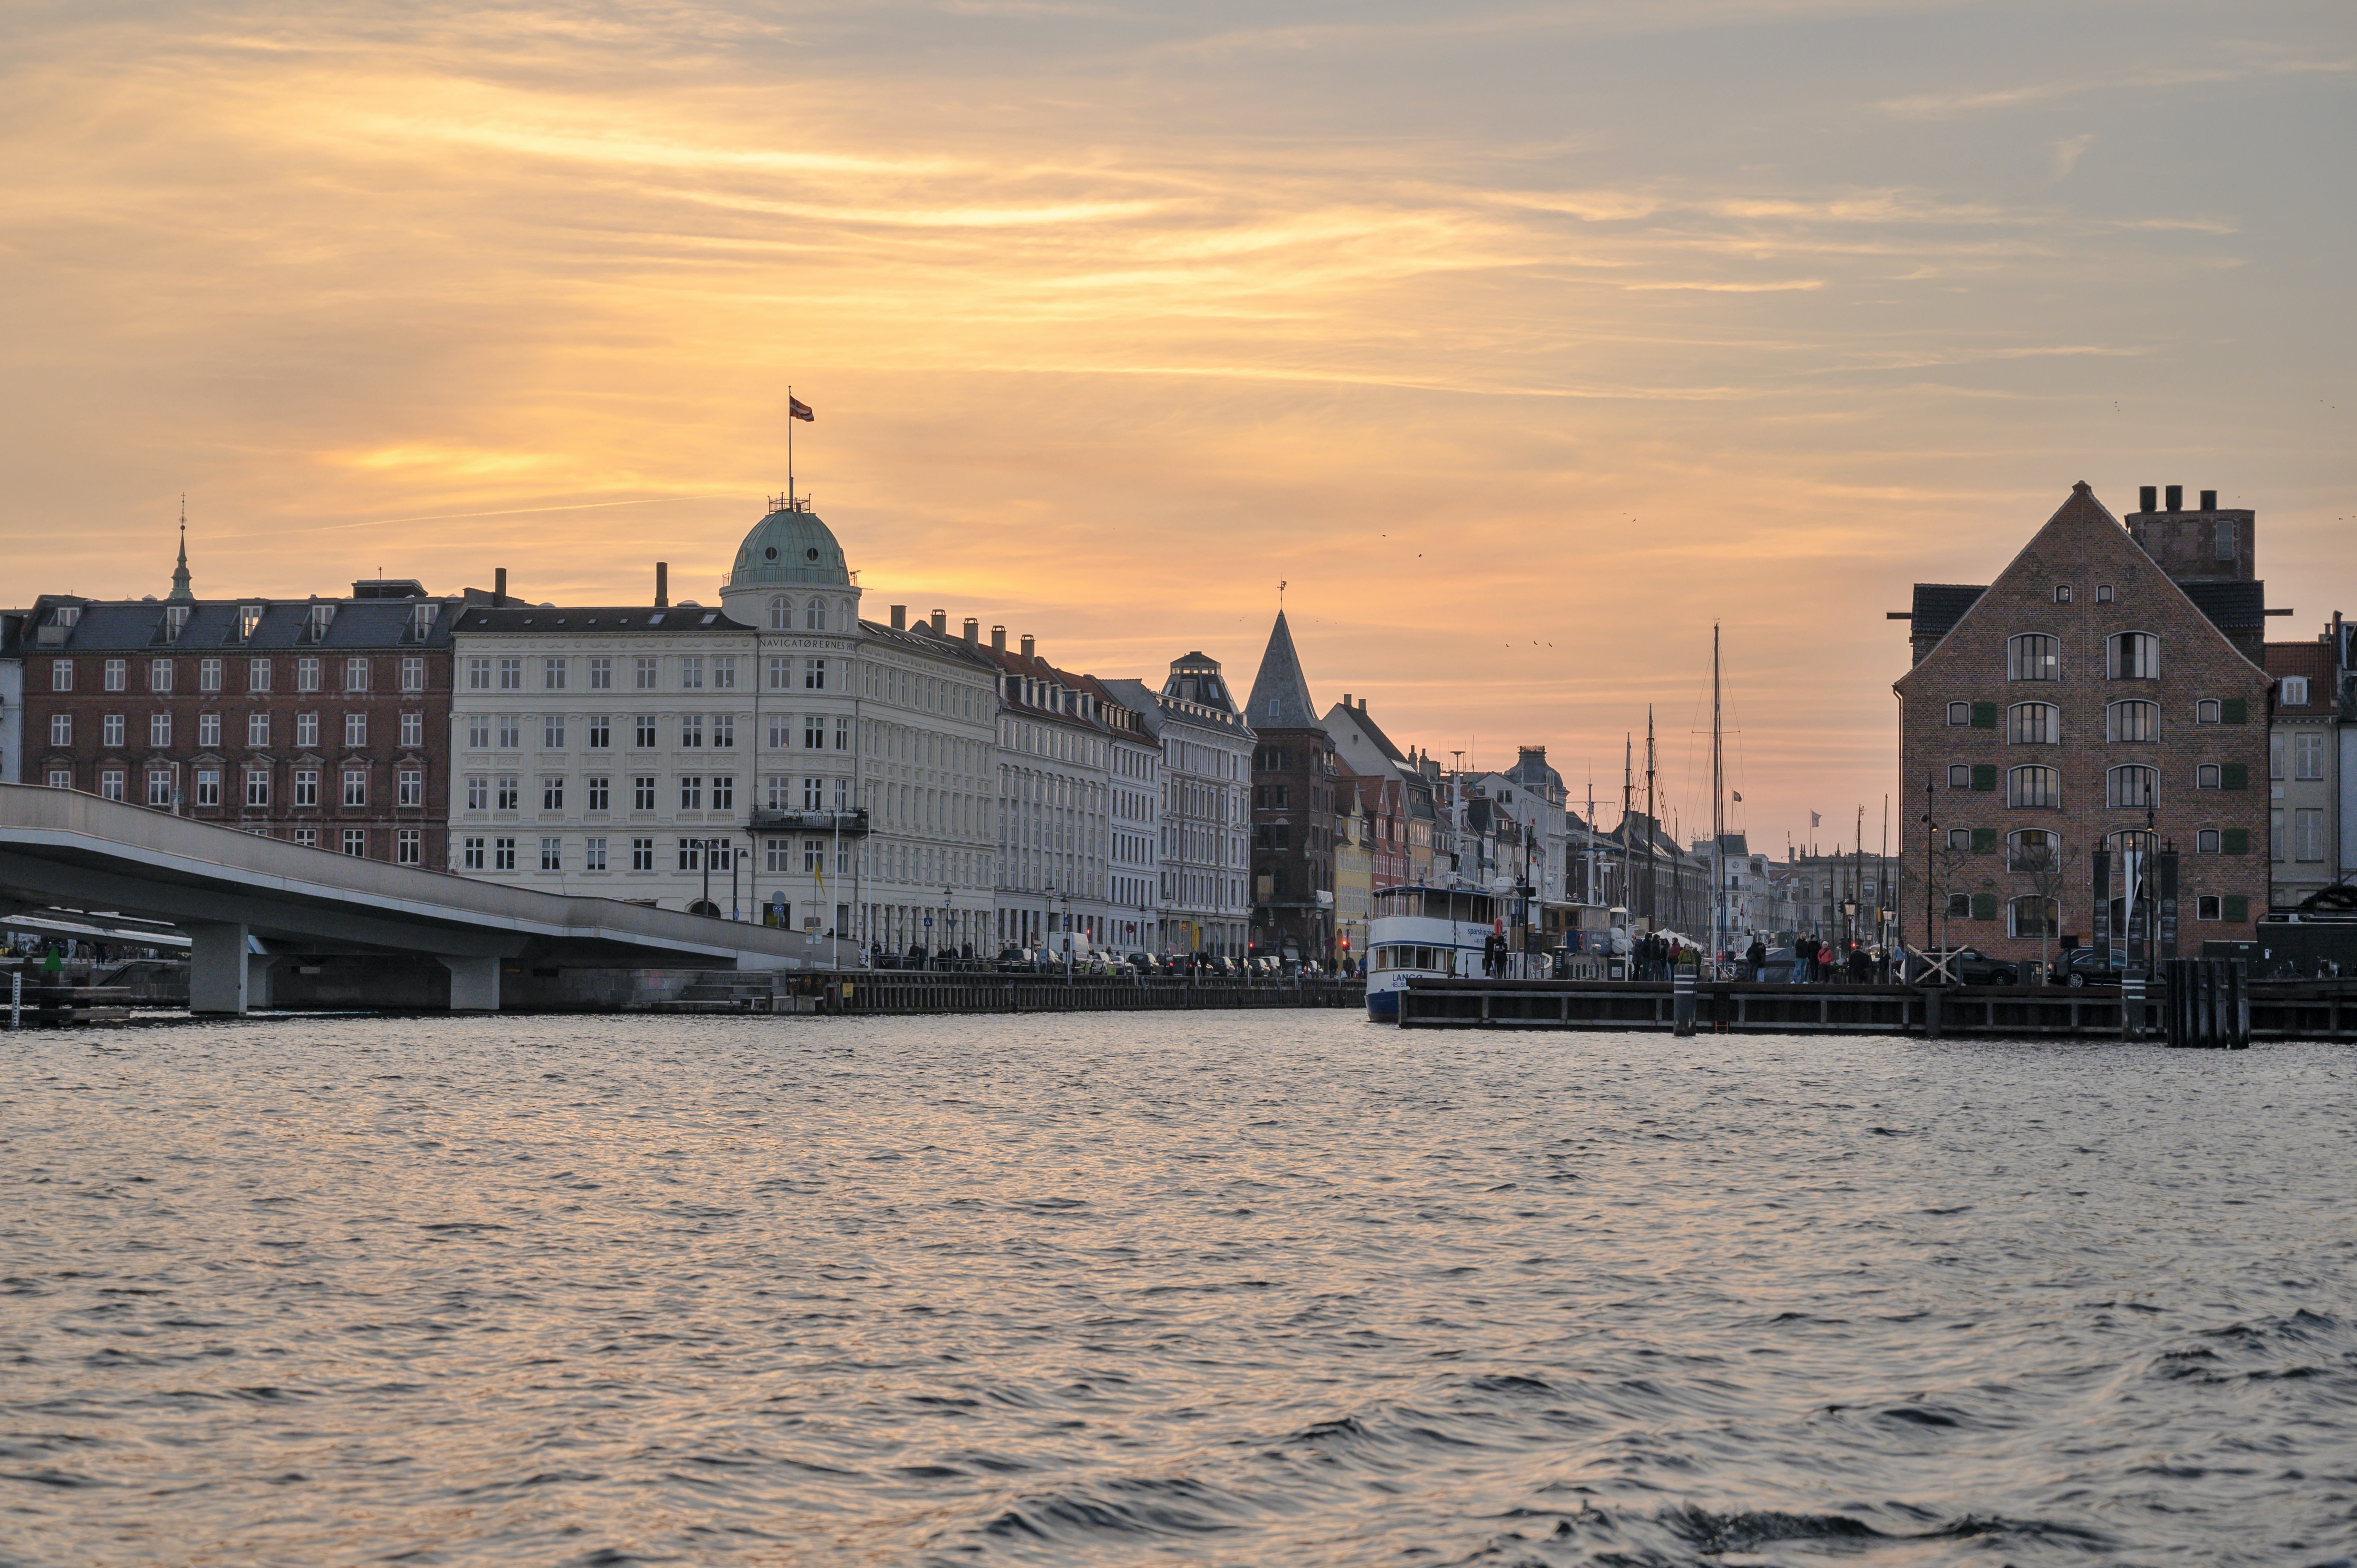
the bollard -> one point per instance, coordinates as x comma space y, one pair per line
16, 999
1682, 1000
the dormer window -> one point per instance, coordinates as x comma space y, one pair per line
421, 621
315, 623
176, 621
249, 621
68, 615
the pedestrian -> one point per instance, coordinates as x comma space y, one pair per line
1756, 958
1827, 954
1803, 948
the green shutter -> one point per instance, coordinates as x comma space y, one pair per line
1984, 775
2236, 711
1984, 715
2238, 908
2233, 776
2235, 841
1984, 840
1984, 906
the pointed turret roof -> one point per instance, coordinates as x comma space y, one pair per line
1280, 697
182, 592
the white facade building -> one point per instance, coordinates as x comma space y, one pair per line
1134, 817
12, 696
1055, 785
1206, 811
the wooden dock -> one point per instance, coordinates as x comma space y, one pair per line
919, 991
2279, 1010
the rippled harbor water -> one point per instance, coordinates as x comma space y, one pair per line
1243, 1289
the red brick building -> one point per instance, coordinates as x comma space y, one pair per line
1295, 796
326, 722
2082, 714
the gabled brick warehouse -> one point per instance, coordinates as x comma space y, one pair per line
2084, 705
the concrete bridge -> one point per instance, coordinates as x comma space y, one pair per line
248, 903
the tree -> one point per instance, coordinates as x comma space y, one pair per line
2050, 871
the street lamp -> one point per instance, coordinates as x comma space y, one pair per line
945, 917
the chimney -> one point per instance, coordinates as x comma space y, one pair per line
2209, 500
941, 623
1346, 702
998, 640
2147, 499
973, 632
663, 584
1029, 645
899, 618
2175, 497
500, 586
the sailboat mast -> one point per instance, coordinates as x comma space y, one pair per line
1717, 810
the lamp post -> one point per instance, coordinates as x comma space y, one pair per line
945, 918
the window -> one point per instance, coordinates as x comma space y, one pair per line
2307, 754
2032, 916
2033, 656
209, 730
307, 730
2206, 907
642, 673
355, 786
642, 854
307, 674
600, 792
249, 621
412, 730
601, 733
208, 786
2291, 692
257, 729
2034, 786
645, 739
2133, 785
410, 787
478, 792
60, 674
478, 730
2061, 593
814, 854
593, 854
1960, 905
510, 730
813, 794
724, 791
306, 786
473, 850
356, 674
691, 673
843, 794
208, 674
257, 786
110, 783
815, 731
552, 732
159, 788
2222, 544
2102, 593
2205, 775
724, 729
724, 673
690, 855
110, 731
691, 793
642, 792
2033, 724
777, 855
2134, 721
552, 675
159, 730
511, 675
60, 779
408, 847
551, 792
781, 616
781, 793
60, 729
478, 674
601, 673
503, 855
1960, 775
814, 616
2033, 849
356, 842
118, 674
552, 855
2132, 656
306, 838
412, 679
814, 675
355, 731
690, 730
2308, 833
508, 794
159, 674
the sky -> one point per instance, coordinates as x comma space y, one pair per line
1521, 342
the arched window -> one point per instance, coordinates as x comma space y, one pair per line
2038, 787
2132, 656
2033, 724
2033, 656
2133, 785
2032, 916
2033, 850
814, 616
2132, 721
781, 615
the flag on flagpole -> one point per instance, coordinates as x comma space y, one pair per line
1815, 820
797, 408
1738, 797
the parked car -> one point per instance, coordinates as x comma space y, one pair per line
2081, 966
1970, 966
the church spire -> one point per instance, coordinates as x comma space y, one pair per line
180, 593
1280, 696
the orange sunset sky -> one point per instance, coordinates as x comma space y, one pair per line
1523, 341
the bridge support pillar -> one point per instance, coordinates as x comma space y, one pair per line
218, 977
474, 982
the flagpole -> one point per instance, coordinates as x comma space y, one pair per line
790, 448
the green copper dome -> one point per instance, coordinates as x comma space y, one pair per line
790, 547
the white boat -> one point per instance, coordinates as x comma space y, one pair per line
1432, 931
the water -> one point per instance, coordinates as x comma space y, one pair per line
1228, 1288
